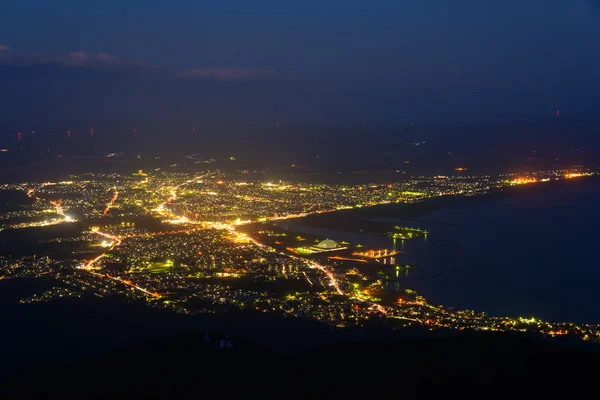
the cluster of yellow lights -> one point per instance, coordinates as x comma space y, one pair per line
376, 253
523, 181
526, 180
238, 237
528, 320
181, 220
573, 175
559, 332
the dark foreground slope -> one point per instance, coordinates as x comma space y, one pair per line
189, 367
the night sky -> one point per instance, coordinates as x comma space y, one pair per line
458, 62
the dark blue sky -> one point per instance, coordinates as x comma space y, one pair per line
459, 61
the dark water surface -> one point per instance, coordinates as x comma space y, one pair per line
535, 254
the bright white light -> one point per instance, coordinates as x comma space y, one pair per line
181, 220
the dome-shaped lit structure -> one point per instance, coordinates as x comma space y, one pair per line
328, 244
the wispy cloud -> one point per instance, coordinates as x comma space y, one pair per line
229, 74
83, 59
78, 58
107, 59
72, 59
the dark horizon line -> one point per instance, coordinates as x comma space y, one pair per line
384, 123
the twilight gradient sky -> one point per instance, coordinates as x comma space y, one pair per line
458, 61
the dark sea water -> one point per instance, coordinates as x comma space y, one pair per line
535, 254
530, 255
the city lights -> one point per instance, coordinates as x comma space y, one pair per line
200, 242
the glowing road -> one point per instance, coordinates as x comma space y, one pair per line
173, 194
58, 206
111, 202
333, 281
239, 237
115, 242
125, 282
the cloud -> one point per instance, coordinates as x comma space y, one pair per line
77, 58
107, 59
228, 74
72, 59
81, 58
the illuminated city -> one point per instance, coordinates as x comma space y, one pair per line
305, 199
203, 242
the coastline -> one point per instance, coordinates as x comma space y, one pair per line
365, 219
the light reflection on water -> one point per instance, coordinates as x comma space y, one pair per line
529, 255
